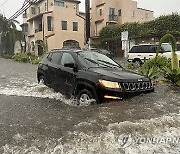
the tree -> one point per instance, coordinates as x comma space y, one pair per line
9, 34
156, 28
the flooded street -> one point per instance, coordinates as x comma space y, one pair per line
35, 119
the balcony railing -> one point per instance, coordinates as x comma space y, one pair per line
113, 18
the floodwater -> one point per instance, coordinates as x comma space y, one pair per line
147, 124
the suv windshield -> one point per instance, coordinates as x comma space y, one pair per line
94, 59
166, 47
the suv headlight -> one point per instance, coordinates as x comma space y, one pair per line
109, 84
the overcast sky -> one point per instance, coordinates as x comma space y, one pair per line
159, 7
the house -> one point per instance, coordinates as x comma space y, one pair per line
105, 12
53, 24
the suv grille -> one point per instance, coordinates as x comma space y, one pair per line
136, 86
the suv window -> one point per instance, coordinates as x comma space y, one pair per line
145, 49
133, 49
178, 47
67, 58
153, 49
49, 55
166, 47
140, 49
55, 58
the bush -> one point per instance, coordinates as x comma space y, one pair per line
132, 66
153, 67
37, 60
172, 75
21, 57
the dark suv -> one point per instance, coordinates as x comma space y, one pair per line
89, 75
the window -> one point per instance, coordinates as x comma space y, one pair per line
33, 10
39, 10
67, 58
64, 25
46, 6
75, 26
25, 28
100, 12
119, 12
49, 23
111, 11
112, 16
133, 13
58, 3
153, 49
146, 16
40, 25
56, 58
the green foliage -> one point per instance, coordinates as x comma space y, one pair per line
171, 74
152, 67
174, 59
37, 60
156, 28
9, 35
132, 66
22, 57
25, 58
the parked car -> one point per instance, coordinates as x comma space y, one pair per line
103, 51
89, 75
139, 53
71, 48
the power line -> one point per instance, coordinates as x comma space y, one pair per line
25, 6
20, 10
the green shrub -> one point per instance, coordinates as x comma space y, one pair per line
21, 57
37, 60
153, 67
171, 74
132, 66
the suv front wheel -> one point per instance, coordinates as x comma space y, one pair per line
86, 97
138, 62
42, 80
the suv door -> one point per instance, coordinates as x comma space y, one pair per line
66, 75
53, 66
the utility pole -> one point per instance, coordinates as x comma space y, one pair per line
87, 6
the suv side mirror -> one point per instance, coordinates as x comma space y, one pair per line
71, 65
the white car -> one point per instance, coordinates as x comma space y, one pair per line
139, 53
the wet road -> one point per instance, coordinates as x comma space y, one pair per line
35, 119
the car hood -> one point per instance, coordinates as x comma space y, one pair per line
117, 73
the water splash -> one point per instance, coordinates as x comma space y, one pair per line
109, 141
